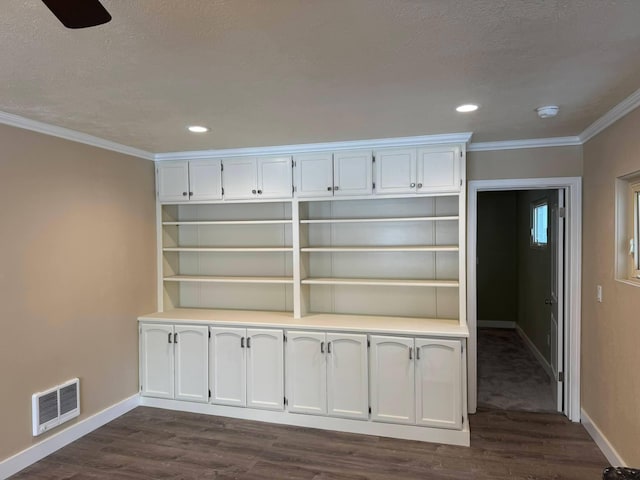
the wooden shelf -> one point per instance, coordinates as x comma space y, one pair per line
212, 279
392, 248
382, 219
230, 222
388, 282
228, 249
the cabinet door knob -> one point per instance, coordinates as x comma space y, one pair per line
259, 192
336, 188
419, 185
169, 339
410, 353
253, 191
412, 185
175, 337
184, 194
242, 342
190, 193
329, 188
321, 347
248, 342
329, 347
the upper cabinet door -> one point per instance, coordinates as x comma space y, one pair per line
439, 383
205, 178
347, 376
173, 181
265, 369
314, 175
392, 379
438, 170
191, 345
157, 357
396, 171
306, 372
353, 173
227, 366
275, 177
240, 178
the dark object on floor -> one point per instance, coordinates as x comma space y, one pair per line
620, 473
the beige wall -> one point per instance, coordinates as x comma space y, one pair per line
497, 257
610, 330
525, 163
78, 266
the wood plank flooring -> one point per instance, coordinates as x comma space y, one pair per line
149, 443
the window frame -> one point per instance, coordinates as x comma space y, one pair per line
532, 224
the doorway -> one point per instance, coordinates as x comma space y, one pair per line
519, 293
558, 342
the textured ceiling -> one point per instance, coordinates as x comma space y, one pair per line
274, 72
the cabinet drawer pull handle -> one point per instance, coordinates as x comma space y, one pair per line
169, 338
175, 337
419, 185
329, 347
248, 342
321, 347
184, 194
412, 185
417, 353
410, 353
242, 342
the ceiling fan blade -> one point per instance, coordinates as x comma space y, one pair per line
78, 13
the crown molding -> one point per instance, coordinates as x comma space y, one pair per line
616, 113
527, 143
73, 135
318, 147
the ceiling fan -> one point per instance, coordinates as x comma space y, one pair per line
78, 13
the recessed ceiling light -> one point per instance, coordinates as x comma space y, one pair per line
466, 108
198, 129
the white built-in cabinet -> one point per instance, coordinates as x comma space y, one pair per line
416, 381
327, 374
338, 174
247, 367
257, 178
423, 170
174, 361
193, 180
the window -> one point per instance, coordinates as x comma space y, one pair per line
539, 223
628, 228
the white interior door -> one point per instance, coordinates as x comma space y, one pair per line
347, 376
314, 175
275, 177
306, 372
396, 171
392, 377
205, 179
191, 344
173, 181
556, 245
352, 173
227, 366
439, 383
240, 178
265, 369
156, 351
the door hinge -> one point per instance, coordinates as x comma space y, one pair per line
374, 185
284, 337
373, 158
562, 212
209, 333
460, 182
286, 402
223, 190
463, 419
368, 343
293, 189
222, 167
460, 153
293, 163
209, 393
140, 387
561, 376
369, 409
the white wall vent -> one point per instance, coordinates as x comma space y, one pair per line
55, 406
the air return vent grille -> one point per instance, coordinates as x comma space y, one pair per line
55, 406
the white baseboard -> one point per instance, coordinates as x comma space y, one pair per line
603, 443
31, 455
407, 432
495, 324
543, 361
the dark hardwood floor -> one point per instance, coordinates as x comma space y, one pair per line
159, 444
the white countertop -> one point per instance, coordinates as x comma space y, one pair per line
313, 321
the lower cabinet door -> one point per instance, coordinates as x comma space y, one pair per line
347, 376
392, 370
227, 366
306, 372
191, 344
156, 360
439, 383
265, 369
